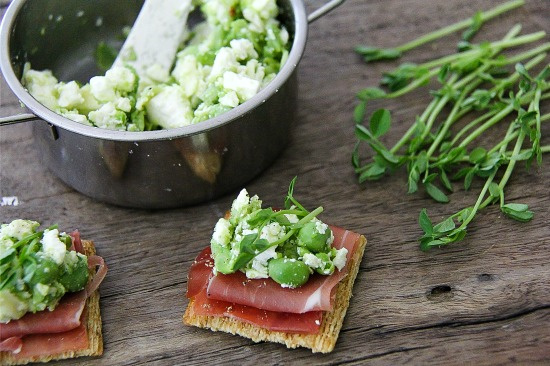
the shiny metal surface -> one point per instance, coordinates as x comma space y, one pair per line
154, 169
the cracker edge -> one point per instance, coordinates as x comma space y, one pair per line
93, 329
323, 342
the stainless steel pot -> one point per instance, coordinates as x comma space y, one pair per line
154, 169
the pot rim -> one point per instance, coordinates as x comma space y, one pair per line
295, 55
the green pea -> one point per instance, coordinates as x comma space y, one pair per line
311, 239
327, 267
75, 278
288, 272
46, 272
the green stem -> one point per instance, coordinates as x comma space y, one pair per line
478, 202
495, 119
411, 129
508, 138
522, 56
412, 86
476, 52
460, 25
471, 125
450, 119
302, 221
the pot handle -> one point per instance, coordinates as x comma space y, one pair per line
18, 118
323, 10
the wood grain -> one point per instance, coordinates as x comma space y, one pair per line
485, 300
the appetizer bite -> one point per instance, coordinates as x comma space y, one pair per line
275, 275
49, 303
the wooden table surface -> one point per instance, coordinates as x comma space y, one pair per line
485, 300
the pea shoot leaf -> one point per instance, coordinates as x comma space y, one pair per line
380, 122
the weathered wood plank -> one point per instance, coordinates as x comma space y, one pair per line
485, 300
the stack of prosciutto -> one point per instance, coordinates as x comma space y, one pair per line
263, 302
62, 331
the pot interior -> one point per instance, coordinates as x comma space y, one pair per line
63, 36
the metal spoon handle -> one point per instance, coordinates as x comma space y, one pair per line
323, 10
18, 118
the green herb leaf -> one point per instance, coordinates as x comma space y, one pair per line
445, 180
517, 211
371, 93
436, 193
359, 112
477, 155
445, 226
374, 172
425, 222
477, 22
380, 122
494, 190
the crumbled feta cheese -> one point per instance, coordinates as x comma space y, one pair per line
243, 49
320, 226
121, 78
240, 203
340, 259
41, 85
272, 232
69, 95
108, 117
18, 229
244, 86
312, 261
230, 99
170, 108
292, 218
52, 246
77, 117
222, 232
258, 268
225, 60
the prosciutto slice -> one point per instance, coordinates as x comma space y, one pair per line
64, 317
200, 274
271, 320
35, 345
316, 295
12, 344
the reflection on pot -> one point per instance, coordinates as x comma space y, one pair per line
115, 156
202, 158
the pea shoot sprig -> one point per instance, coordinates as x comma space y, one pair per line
472, 26
253, 244
481, 88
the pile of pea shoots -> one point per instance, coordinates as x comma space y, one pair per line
480, 88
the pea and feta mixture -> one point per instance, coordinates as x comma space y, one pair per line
226, 60
36, 268
286, 245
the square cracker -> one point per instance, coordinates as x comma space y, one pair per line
93, 328
324, 341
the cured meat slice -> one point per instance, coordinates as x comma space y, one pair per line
100, 273
35, 345
200, 272
12, 344
316, 294
65, 316
309, 322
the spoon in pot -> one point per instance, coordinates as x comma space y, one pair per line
155, 36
